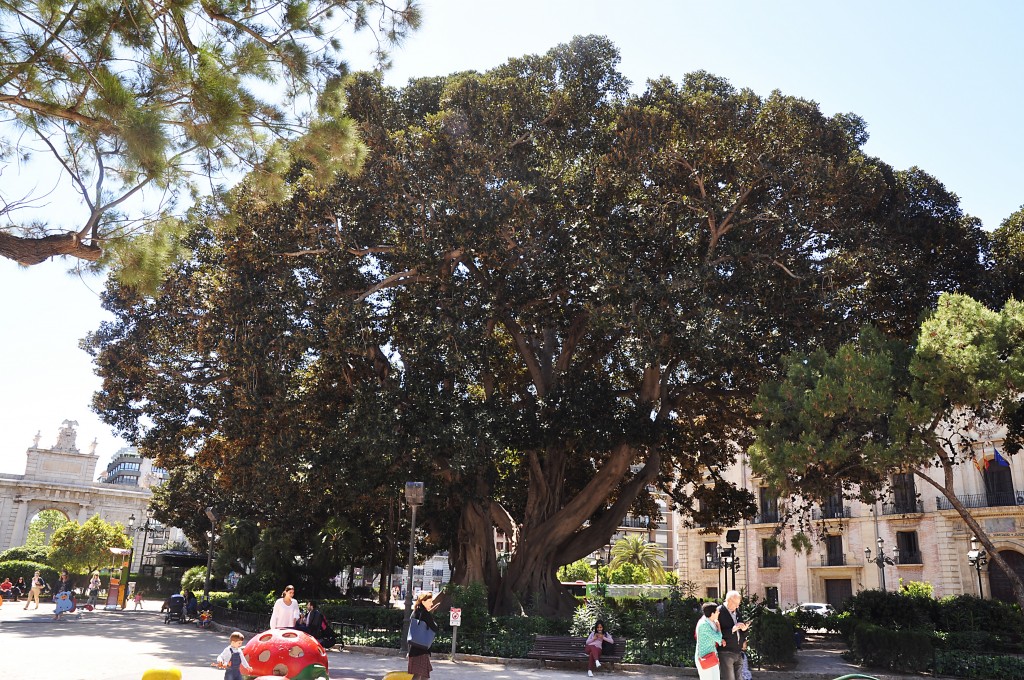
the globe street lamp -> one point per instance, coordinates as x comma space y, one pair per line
414, 495
881, 559
978, 558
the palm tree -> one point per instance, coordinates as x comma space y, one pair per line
635, 550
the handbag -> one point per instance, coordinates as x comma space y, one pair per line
607, 648
420, 635
709, 660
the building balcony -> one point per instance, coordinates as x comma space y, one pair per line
630, 522
983, 500
767, 517
768, 562
903, 508
831, 512
910, 558
836, 560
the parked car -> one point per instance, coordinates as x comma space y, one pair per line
823, 608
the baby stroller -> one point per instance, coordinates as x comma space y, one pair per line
175, 605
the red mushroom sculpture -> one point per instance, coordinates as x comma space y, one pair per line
283, 652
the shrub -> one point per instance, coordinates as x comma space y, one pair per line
259, 582
960, 613
898, 650
586, 617
771, 636
981, 667
893, 610
472, 600
25, 553
194, 579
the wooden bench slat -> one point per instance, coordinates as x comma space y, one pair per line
569, 648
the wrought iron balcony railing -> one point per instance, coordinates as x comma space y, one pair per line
983, 500
831, 512
903, 508
768, 562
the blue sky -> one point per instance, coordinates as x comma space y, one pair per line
939, 84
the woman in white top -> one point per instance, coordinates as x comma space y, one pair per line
286, 610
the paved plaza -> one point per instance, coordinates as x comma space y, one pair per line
104, 645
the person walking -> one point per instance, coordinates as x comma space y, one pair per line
419, 658
36, 588
595, 645
734, 635
709, 636
286, 610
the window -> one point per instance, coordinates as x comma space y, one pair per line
769, 553
712, 593
834, 505
834, 551
904, 493
711, 549
771, 597
768, 506
998, 484
439, 572
910, 551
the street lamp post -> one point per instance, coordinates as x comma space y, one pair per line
146, 527
881, 559
209, 551
414, 495
503, 558
597, 563
978, 558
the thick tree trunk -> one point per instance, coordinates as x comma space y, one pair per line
29, 251
554, 532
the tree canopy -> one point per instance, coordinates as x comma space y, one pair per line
541, 296
81, 548
878, 406
634, 550
127, 96
43, 527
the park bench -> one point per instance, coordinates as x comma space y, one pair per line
569, 648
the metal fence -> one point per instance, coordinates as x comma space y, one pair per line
247, 621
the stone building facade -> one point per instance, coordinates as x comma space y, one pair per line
61, 478
930, 538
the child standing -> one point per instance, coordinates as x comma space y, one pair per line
138, 599
232, 658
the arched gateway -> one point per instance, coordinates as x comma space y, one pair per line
62, 478
1000, 583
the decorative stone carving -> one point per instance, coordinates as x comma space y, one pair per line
66, 436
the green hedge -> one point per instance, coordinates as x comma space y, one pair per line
898, 650
12, 569
771, 635
979, 666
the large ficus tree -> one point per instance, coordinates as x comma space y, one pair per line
127, 95
542, 296
878, 406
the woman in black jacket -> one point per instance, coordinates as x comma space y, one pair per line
419, 658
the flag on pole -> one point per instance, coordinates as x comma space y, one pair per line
977, 463
999, 458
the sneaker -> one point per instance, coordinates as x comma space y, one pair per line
590, 674
597, 662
